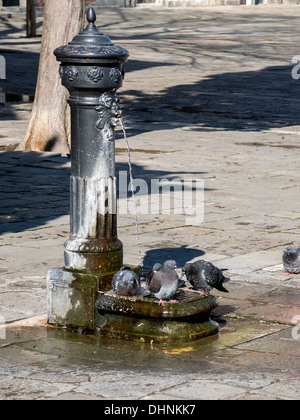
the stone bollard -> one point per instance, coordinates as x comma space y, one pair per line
92, 69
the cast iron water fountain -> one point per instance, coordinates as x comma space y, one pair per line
79, 293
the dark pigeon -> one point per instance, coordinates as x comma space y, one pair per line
126, 282
181, 282
291, 260
144, 290
163, 281
205, 276
155, 268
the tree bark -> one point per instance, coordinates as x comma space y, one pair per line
49, 127
30, 19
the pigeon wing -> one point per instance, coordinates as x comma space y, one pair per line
213, 275
155, 283
216, 278
156, 267
115, 281
196, 277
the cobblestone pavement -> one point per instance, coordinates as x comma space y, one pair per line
208, 95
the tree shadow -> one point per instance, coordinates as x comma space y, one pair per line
251, 100
35, 188
9, 26
51, 144
139, 171
21, 71
137, 65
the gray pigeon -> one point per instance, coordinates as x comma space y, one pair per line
291, 260
156, 267
126, 282
163, 281
205, 276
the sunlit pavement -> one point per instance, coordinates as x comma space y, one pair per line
208, 95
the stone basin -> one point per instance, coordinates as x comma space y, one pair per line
143, 319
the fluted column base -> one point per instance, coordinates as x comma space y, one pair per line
93, 246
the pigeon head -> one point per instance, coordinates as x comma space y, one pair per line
291, 249
186, 268
170, 265
156, 267
290, 254
190, 269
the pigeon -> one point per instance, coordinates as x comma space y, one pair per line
204, 276
181, 282
126, 282
162, 281
155, 268
291, 260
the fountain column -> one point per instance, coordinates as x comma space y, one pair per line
79, 294
92, 69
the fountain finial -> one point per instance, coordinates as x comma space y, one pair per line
91, 15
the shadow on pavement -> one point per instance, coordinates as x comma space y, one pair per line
34, 188
181, 255
251, 100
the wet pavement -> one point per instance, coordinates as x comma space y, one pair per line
248, 360
208, 95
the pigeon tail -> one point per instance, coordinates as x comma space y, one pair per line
221, 288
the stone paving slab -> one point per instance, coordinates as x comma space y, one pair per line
203, 99
83, 367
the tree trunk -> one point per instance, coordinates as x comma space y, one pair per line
30, 19
49, 128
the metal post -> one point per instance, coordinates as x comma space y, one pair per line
92, 70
